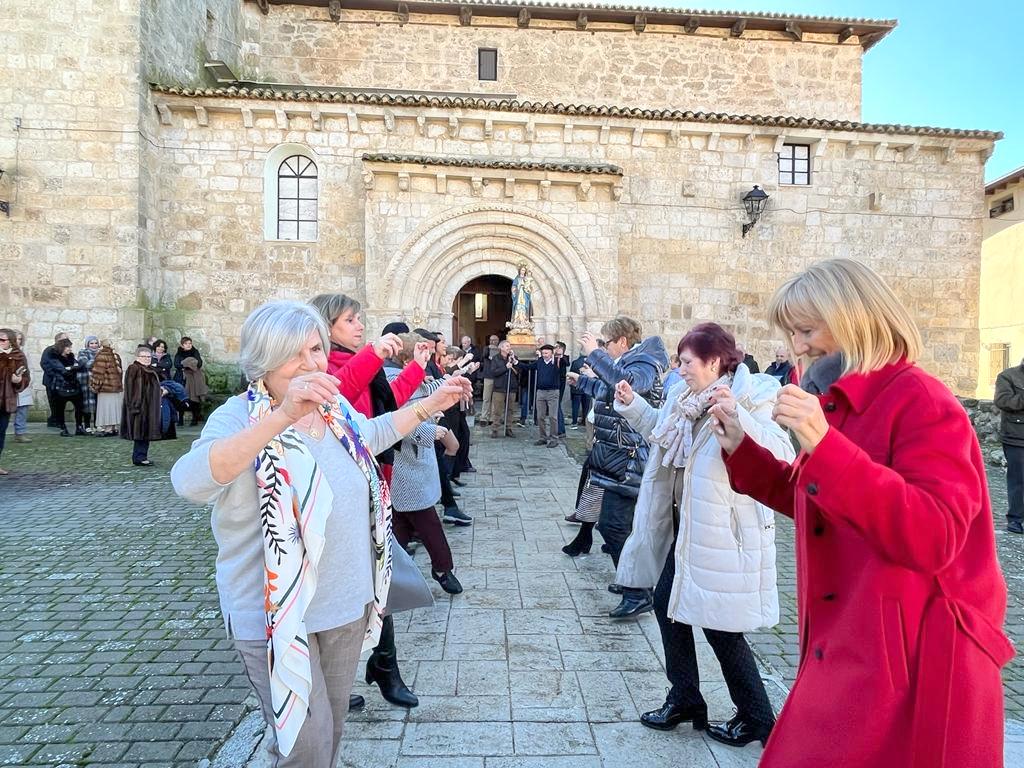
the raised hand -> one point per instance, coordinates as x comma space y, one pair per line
421, 354
387, 346
307, 393
725, 419
588, 342
801, 412
624, 393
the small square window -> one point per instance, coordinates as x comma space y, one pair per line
487, 63
998, 360
1003, 206
795, 164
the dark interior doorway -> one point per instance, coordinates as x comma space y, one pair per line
482, 308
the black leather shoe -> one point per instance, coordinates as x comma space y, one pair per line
671, 715
65, 433
633, 604
80, 432
355, 702
1015, 526
471, 470
448, 582
615, 589
739, 732
383, 671
456, 481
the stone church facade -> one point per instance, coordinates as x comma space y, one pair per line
354, 146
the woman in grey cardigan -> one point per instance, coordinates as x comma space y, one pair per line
416, 485
302, 520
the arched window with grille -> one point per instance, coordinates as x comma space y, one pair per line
291, 194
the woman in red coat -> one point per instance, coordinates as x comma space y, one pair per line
363, 383
900, 597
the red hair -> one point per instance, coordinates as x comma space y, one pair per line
710, 340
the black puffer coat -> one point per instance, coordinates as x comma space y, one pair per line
620, 453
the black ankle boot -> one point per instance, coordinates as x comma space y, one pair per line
355, 702
670, 715
581, 544
383, 671
739, 732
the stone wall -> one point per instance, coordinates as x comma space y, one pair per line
665, 246
761, 73
985, 417
69, 143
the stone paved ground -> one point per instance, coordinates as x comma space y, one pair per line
112, 649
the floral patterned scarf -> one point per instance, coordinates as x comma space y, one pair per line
295, 502
675, 433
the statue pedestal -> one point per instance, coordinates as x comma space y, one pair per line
523, 342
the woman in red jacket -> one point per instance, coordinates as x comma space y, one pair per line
900, 597
363, 383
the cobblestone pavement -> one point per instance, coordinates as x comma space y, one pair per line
112, 649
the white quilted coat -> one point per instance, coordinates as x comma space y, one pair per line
725, 551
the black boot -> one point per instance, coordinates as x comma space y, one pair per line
355, 702
382, 669
739, 732
582, 543
670, 715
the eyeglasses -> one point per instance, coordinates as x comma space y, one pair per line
4, 338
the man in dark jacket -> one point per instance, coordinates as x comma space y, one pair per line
489, 353
748, 360
1009, 398
580, 401
619, 454
503, 370
781, 368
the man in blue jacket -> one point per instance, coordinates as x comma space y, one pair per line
619, 454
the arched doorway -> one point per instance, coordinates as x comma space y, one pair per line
481, 308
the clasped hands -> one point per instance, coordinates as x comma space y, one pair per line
795, 410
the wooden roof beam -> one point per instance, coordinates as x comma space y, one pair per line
845, 35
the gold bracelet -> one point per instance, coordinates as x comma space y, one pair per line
421, 412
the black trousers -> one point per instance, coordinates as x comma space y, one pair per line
616, 522
731, 649
61, 404
5, 419
444, 470
1014, 481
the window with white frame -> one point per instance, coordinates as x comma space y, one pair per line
291, 194
795, 164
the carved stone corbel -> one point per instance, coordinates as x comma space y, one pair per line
282, 118
477, 184
488, 128
317, 118
201, 117
605, 133
465, 15
334, 8
638, 136
585, 190
247, 117
353, 122
421, 125
545, 190
441, 183
368, 178
389, 121
453, 127
165, 114
403, 181
510, 187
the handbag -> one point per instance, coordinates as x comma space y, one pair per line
618, 467
409, 589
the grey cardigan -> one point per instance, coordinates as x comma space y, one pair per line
235, 516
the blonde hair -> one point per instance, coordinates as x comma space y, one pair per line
868, 322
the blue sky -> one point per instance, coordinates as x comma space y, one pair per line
949, 63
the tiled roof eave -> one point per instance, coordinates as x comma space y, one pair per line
567, 166
583, 110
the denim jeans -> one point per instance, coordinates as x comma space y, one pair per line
1014, 481
21, 419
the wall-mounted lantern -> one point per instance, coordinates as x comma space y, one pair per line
754, 201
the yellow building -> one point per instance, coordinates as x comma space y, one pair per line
1001, 310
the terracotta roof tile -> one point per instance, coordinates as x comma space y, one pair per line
583, 110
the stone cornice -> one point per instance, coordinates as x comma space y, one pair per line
512, 106
640, 17
496, 163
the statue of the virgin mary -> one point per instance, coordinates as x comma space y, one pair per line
522, 300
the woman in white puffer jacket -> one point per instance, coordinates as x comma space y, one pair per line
720, 573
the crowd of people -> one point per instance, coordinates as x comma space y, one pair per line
142, 402
333, 462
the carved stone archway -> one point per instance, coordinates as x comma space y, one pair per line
444, 253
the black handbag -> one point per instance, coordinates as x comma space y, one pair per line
619, 466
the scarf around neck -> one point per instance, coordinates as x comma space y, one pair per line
675, 433
294, 504
823, 373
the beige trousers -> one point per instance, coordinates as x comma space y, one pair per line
334, 657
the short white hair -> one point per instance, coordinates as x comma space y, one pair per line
274, 333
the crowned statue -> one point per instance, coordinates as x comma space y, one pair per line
521, 325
